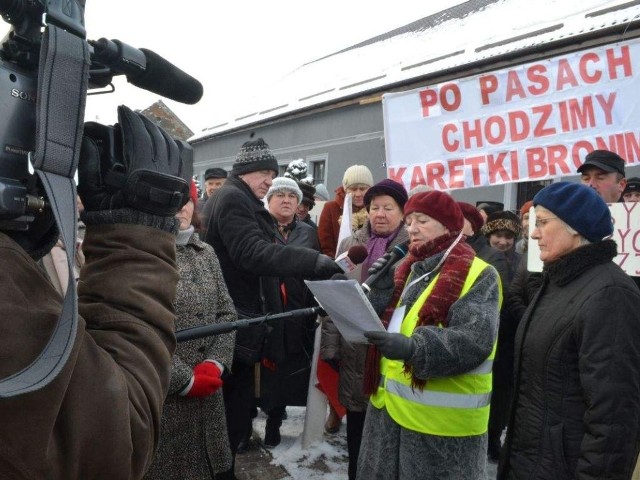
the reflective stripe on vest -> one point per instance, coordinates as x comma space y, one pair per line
455, 406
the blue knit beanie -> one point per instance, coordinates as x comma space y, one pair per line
578, 206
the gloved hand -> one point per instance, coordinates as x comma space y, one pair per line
394, 346
379, 264
209, 368
134, 164
325, 267
202, 385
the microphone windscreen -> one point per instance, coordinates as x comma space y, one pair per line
402, 249
164, 78
357, 254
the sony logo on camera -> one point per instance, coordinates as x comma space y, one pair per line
30, 97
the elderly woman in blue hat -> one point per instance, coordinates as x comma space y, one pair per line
576, 405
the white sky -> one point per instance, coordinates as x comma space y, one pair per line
236, 48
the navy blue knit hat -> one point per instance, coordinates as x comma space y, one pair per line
387, 187
253, 157
578, 206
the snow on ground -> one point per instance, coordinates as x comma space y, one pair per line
321, 461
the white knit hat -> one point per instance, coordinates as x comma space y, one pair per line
284, 184
356, 174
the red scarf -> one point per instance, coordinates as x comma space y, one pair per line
435, 310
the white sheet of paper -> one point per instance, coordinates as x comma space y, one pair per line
348, 306
396, 319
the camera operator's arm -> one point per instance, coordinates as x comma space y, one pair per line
100, 417
127, 287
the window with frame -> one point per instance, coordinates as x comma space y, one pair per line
318, 169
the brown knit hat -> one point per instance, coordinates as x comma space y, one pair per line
439, 206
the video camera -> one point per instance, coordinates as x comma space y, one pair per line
22, 201
46, 68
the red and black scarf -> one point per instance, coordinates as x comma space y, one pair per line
435, 310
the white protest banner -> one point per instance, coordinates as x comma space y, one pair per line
626, 233
529, 122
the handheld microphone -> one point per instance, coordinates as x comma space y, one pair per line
398, 252
148, 70
349, 260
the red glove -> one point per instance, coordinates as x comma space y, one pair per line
209, 368
206, 380
203, 386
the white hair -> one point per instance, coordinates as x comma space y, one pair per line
569, 228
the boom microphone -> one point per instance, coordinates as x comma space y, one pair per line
397, 252
202, 331
148, 70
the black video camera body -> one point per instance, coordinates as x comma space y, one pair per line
20, 197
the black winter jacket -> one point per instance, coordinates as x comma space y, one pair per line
576, 406
242, 232
291, 340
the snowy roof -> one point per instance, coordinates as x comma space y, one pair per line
470, 32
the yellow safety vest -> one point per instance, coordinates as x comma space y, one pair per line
448, 406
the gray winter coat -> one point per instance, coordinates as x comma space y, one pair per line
352, 357
193, 439
389, 451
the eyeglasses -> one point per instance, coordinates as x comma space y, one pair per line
541, 222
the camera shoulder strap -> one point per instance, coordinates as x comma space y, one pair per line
62, 90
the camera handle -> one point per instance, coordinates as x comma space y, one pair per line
62, 89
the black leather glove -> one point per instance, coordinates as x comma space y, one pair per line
133, 165
379, 264
325, 267
394, 346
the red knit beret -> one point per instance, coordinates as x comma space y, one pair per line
439, 206
472, 214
